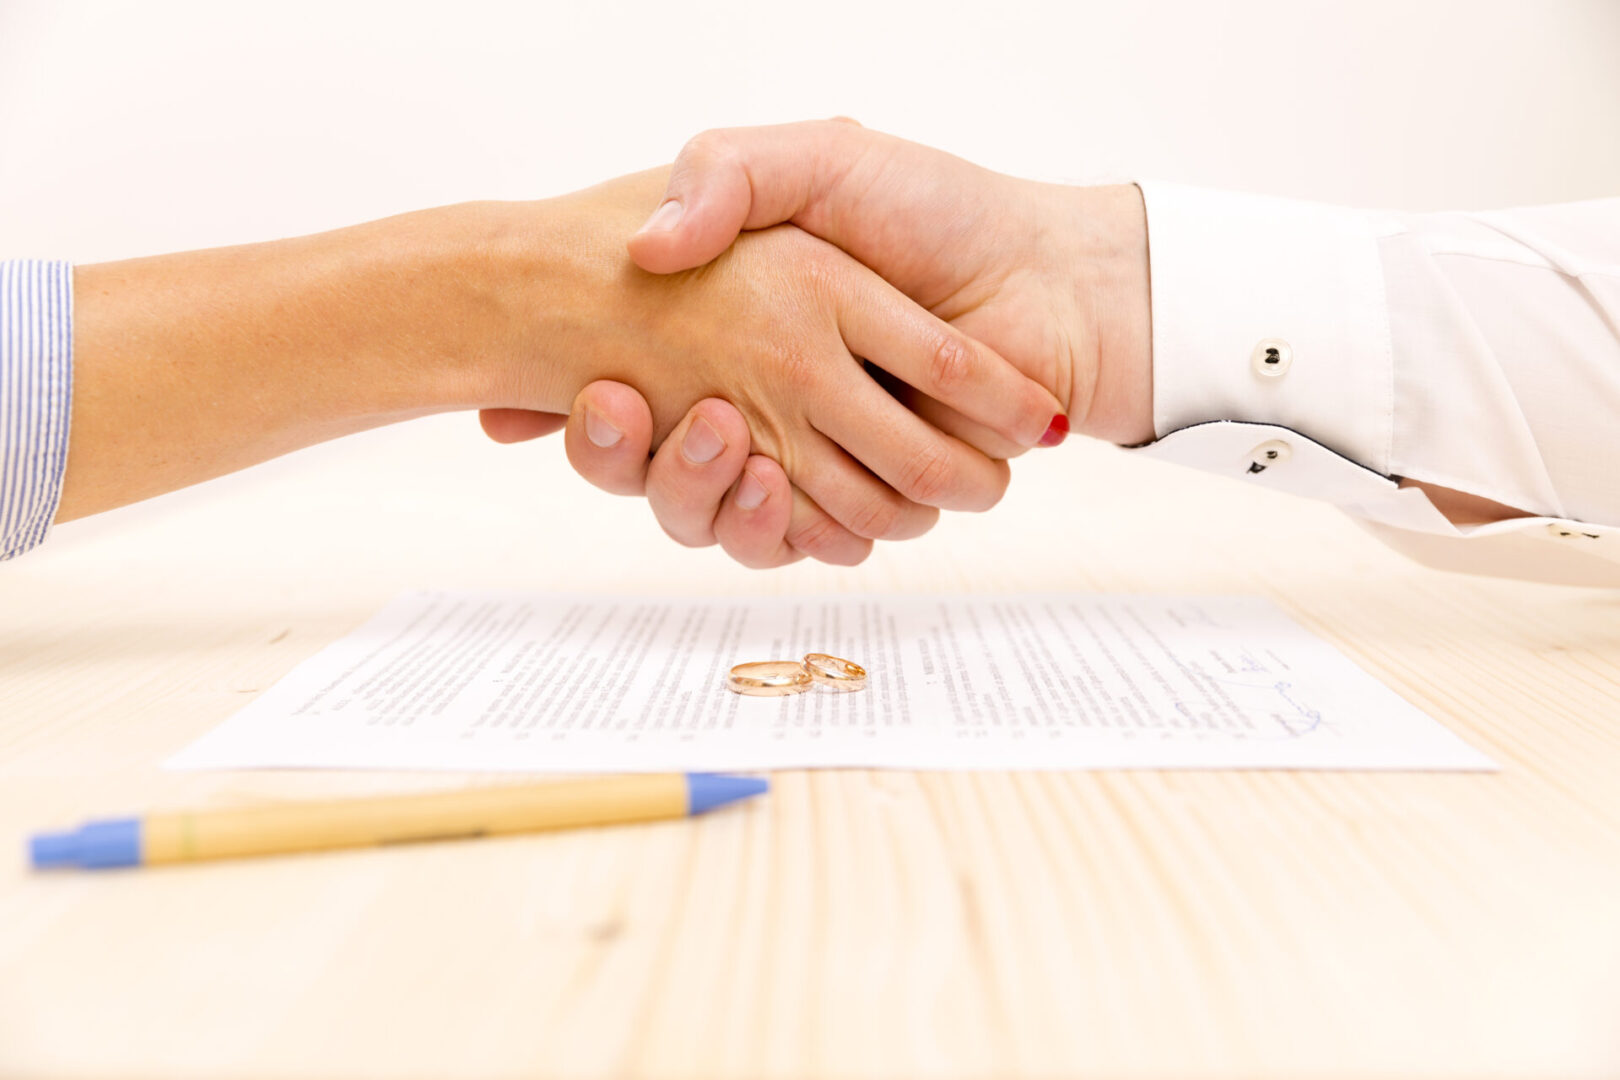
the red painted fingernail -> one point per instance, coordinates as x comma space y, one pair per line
1056, 431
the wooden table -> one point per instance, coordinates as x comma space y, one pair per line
856, 924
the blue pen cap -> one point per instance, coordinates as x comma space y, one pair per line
94, 846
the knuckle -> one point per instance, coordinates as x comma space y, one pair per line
950, 364
796, 366
876, 518
819, 537
929, 476
820, 273
710, 147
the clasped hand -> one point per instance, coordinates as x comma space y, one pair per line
998, 302
821, 336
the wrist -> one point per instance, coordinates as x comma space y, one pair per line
1104, 259
457, 284
562, 304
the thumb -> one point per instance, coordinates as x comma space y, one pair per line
725, 181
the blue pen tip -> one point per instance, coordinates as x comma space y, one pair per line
47, 851
705, 791
96, 846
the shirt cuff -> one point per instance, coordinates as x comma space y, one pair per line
1270, 311
36, 392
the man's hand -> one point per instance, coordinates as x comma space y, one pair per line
1053, 278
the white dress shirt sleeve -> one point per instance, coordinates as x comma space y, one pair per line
1331, 352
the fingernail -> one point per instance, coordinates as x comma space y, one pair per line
702, 443
600, 432
1056, 431
664, 219
750, 492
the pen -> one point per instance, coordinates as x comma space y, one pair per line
398, 819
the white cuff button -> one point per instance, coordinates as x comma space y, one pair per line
1268, 454
1271, 358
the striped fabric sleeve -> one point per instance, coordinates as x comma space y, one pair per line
36, 390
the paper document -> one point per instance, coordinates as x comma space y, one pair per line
548, 682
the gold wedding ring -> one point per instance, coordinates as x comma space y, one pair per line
769, 678
834, 671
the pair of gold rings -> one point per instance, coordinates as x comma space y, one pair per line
780, 678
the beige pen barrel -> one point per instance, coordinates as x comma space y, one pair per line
228, 834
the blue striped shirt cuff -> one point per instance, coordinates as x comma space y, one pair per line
36, 394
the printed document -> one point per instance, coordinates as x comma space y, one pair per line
558, 683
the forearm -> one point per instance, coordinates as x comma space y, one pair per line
192, 365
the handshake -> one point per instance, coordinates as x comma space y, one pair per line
873, 327
819, 337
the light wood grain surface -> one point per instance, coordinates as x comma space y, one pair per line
854, 924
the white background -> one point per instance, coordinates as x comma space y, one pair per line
135, 128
